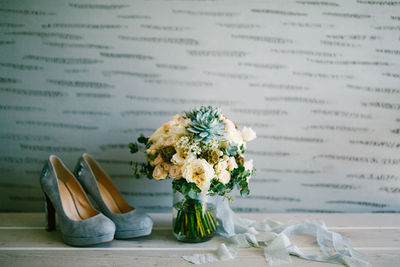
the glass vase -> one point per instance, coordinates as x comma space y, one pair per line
193, 219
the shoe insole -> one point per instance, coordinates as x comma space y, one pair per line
75, 203
108, 199
110, 194
68, 203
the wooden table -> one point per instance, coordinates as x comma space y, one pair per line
24, 242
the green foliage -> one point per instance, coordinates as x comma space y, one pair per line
239, 180
242, 149
134, 147
187, 189
205, 124
142, 169
139, 168
144, 140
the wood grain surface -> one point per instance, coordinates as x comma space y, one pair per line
24, 242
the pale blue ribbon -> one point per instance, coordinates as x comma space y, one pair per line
274, 237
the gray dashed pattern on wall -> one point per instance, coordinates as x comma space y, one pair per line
318, 80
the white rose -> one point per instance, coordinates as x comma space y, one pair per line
224, 177
200, 172
234, 137
248, 134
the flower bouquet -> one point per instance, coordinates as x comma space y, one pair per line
203, 153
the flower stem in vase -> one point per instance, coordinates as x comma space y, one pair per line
194, 221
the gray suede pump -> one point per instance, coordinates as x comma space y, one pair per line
129, 221
80, 223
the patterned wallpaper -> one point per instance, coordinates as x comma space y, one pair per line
318, 80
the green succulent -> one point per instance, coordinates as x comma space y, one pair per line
205, 124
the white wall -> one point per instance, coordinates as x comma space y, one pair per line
318, 81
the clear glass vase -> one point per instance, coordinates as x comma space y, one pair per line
193, 219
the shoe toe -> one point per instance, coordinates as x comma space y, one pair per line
133, 224
106, 226
95, 230
146, 222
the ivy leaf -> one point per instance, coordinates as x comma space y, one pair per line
134, 147
245, 192
142, 139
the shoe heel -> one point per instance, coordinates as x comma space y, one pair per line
50, 215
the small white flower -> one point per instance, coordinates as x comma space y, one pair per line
212, 145
195, 149
183, 142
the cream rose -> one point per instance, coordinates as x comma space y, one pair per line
175, 172
158, 160
232, 164
166, 166
248, 134
224, 177
160, 132
221, 166
200, 172
152, 149
174, 120
171, 141
178, 131
229, 125
159, 173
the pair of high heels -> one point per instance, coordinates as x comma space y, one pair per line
81, 224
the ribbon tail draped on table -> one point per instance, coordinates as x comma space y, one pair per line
274, 238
